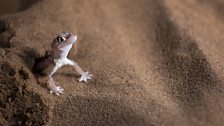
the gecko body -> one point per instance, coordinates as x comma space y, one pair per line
50, 63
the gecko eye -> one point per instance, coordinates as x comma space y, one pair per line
60, 39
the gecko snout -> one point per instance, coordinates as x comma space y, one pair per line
73, 38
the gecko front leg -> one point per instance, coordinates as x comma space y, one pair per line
57, 90
84, 75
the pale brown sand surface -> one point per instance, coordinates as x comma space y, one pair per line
155, 62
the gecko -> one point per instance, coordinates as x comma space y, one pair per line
57, 58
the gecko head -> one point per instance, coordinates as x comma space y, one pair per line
64, 39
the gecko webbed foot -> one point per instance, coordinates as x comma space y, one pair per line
85, 76
57, 90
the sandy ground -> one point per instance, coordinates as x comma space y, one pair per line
154, 63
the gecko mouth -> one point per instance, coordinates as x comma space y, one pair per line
71, 37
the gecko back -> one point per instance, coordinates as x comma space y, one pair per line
42, 63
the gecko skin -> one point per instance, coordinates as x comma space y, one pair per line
49, 64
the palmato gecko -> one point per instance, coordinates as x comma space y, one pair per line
49, 64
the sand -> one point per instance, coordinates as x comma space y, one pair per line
154, 63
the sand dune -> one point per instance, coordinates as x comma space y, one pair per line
154, 63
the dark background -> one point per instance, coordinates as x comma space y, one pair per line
12, 6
